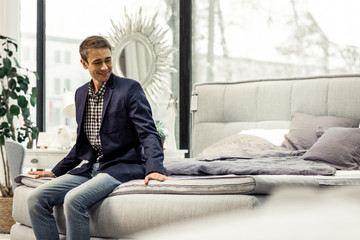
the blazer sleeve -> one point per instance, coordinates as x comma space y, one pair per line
81, 146
141, 115
67, 163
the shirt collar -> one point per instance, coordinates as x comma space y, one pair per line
99, 93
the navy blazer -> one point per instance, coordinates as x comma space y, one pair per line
130, 143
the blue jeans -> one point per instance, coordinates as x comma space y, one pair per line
76, 193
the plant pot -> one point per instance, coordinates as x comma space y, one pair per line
6, 219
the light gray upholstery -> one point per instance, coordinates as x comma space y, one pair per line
223, 109
121, 215
15, 153
219, 110
23, 232
296, 214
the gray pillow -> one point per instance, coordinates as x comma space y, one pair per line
236, 146
338, 147
303, 127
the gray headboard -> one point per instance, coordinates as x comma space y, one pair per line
222, 109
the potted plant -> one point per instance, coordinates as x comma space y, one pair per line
15, 101
162, 131
16, 98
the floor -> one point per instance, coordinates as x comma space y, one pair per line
4, 236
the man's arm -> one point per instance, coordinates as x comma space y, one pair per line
141, 116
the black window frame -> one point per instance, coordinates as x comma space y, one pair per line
185, 81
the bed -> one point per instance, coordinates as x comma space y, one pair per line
234, 164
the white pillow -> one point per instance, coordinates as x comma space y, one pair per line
275, 136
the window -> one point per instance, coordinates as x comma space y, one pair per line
57, 86
67, 57
57, 116
57, 56
68, 84
232, 40
235, 40
64, 35
26, 54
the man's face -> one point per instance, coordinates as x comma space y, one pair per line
99, 64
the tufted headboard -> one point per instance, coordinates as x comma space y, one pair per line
222, 109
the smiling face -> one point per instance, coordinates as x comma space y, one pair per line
99, 64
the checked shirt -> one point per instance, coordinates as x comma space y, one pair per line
93, 111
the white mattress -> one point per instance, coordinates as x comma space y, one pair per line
267, 183
224, 184
120, 215
192, 196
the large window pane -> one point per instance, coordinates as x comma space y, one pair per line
27, 42
245, 39
69, 22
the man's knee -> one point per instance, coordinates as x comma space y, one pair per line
34, 200
72, 201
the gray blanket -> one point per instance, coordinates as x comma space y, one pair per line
258, 166
248, 155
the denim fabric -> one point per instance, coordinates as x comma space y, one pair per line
76, 193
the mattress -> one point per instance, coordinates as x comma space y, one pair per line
235, 184
221, 184
180, 199
122, 214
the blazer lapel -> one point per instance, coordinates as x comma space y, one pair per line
107, 96
80, 104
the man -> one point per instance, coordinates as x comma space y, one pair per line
117, 137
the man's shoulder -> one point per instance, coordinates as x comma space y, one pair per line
122, 81
83, 87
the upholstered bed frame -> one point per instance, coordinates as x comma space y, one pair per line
223, 109
219, 110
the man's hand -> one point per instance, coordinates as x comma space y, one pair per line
156, 176
39, 174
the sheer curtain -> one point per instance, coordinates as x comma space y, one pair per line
136, 61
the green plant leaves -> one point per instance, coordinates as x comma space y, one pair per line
34, 92
14, 110
10, 117
3, 72
4, 125
25, 112
24, 86
17, 63
160, 128
33, 96
22, 102
35, 132
5, 130
7, 63
2, 112
14, 96
32, 100
12, 84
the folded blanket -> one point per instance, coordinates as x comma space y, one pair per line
291, 165
30, 180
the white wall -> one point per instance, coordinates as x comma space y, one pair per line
9, 26
10, 18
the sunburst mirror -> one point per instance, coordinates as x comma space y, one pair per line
140, 52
